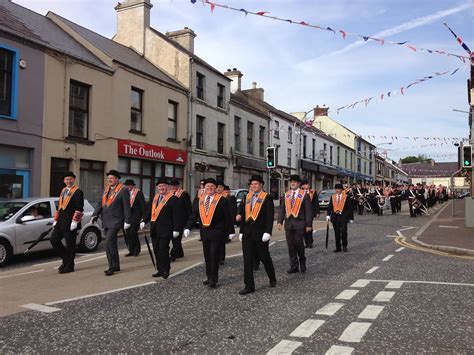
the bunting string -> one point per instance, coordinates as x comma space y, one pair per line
343, 33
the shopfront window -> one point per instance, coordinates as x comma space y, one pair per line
92, 179
14, 172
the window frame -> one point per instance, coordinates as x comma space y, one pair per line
276, 130
250, 140
288, 158
290, 134
220, 139
200, 134
139, 110
175, 107
200, 84
220, 98
261, 141
88, 87
14, 82
237, 133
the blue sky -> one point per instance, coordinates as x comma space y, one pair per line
300, 67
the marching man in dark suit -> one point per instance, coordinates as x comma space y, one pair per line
185, 209
67, 221
340, 212
232, 202
114, 209
137, 205
256, 214
313, 195
297, 214
216, 225
164, 215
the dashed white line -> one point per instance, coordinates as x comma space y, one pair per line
399, 249
388, 257
185, 269
20, 274
384, 296
347, 294
339, 350
370, 312
40, 308
284, 347
427, 282
394, 284
354, 332
371, 271
330, 309
307, 328
360, 283
451, 227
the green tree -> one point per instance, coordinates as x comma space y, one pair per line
421, 158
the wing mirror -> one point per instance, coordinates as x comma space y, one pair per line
27, 218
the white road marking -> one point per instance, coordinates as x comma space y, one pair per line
307, 328
394, 284
347, 294
339, 350
354, 332
85, 261
384, 296
100, 293
392, 236
40, 307
185, 269
20, 274
330, 309
388, 257
399, 249
371, 271
360, 283
370, 312
427, 282
453, 227
284, 347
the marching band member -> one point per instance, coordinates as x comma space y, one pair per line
340, 213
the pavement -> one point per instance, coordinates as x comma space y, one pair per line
447, 231
380, 297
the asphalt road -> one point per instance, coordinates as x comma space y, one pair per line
430, 309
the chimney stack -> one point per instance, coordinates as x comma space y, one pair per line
133, 18
255, 92
184, 37
236, 77
321, 111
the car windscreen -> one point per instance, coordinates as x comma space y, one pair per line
8, 209
325, 194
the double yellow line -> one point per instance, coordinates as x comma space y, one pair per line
403, 242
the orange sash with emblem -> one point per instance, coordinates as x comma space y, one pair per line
178, 192
206, 218
157, 207
338, 207
133, 195
63, 202
296, 207
252, 213
106, 202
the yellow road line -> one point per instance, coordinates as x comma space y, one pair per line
403, 242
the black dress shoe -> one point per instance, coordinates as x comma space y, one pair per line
303, 268
205, 282
292, 271
128, 254
273, 283
113, 270
222, 262
61, 267
65, 271
158, 274
172, 259
136, 254
166, 275
337, 250
344, 250
212, 284
310, 246
109, 272
245, 291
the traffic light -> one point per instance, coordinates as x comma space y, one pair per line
466, 156
271, 157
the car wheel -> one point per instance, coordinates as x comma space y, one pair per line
90, 240
5, 252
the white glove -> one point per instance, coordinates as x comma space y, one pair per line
142, 226
351, 221
126, 226
328, 218
241, 236
186, 233
175, 234
231, 236
54, 223
266, 237
73, 225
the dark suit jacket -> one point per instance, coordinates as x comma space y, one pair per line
117, 213
76, 203
347, 211
305, 215
168, 220
264, 222
315, 204
232, 201
221, 226
185, 209
138, 208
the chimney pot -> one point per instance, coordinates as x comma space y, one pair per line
254, 85
236, 77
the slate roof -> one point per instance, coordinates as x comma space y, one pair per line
429, 170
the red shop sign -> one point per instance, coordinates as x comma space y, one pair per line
151, 152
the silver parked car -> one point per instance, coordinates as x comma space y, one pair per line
239, 194
324, 197
22, 221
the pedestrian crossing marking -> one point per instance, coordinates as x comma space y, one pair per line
330, 309
307, 328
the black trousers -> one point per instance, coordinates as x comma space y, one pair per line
360, 209
393, 205
161, 248
412, 210
253, 247
131, 236
308, 239
212, 253
399, 203
177, 249
294, 240
66, 253
222, 252
111, 248
340, 232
